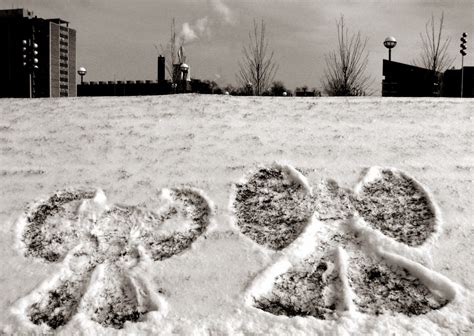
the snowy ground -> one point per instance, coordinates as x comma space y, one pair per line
195, 229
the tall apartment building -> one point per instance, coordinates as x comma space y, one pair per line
38, 56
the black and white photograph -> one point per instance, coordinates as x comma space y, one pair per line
236, 167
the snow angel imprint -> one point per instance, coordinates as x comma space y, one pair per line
341, 251
103, 250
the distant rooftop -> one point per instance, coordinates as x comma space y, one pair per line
24, 13
16, 13
59, 21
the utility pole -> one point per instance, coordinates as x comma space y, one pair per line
463, 53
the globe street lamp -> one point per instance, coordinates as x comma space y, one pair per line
184, 67
249, 88
389, 43
82, 72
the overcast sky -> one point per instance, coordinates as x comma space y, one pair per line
116, 38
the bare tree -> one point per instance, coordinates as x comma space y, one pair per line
257, 68
434, 55
346, 66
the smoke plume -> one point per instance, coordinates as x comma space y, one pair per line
223, 10
199, 29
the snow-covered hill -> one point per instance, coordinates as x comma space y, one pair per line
168, 214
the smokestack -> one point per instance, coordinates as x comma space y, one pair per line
161, 69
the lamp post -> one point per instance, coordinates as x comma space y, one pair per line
389, 43
30, 62
250, 88
82, 72
184, 76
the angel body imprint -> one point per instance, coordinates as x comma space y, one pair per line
346, 253
335, 251
104, 250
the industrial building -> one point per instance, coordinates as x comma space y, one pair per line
180, 82
129, 87
451, 85
404, 80
38, 57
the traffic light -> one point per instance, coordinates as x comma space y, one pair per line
463, 44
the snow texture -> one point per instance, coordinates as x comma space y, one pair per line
154, 261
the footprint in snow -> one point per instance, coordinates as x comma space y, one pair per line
335, 243
101, 248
